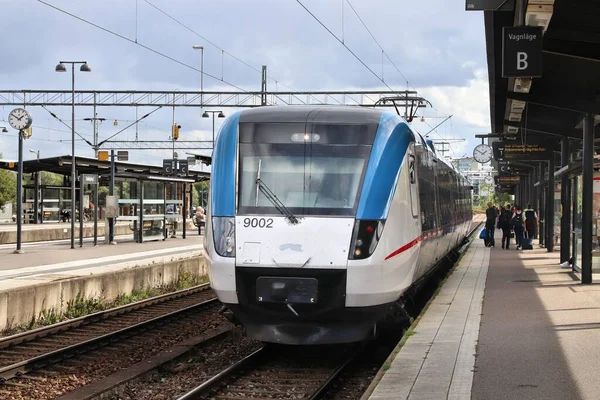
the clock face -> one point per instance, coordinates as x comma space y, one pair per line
19, 119
489, 179
482, 153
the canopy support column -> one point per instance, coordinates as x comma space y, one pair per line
550, 207
587, 198
541, 207
565, 201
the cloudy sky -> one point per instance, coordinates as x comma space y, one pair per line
436, 45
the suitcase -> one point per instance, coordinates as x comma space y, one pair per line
526, 244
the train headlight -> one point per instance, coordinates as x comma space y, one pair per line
365, 238
224, 236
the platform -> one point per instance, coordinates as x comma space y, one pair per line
55, 232
506, 324
49, 276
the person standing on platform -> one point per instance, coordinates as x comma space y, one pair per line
531, 219
490, 222
504, 222
517, 223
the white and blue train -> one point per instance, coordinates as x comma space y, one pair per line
320, 218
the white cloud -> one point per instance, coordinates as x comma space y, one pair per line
468, 104
438, 46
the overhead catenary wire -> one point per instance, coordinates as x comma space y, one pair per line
343, 44
223, 51
409, 86
129, 126
140, 44
65, 124
373, 37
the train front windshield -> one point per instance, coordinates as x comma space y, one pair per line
311, 171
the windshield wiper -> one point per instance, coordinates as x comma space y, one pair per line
260, 185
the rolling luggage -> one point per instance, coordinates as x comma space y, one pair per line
526, 244
485, 236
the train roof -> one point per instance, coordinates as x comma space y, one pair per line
326, 114
312, 114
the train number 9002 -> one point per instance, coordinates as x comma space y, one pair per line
258, 222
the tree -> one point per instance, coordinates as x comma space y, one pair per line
501, 198
200, 193
49, 178
8, 187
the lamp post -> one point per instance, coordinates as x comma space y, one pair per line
205, 115
84, 68
201, 48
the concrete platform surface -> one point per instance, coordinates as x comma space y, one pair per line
437, 361
506, 325
61, 258
540, 330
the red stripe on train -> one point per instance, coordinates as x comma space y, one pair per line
405, 247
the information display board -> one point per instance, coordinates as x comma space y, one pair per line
521, 152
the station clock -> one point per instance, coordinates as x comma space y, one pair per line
19, 119
482, 153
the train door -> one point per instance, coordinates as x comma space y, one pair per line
412, 181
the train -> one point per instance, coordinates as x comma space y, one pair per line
320, 218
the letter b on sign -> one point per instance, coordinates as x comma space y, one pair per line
522, 63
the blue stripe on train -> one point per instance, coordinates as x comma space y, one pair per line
391, 143
222, 175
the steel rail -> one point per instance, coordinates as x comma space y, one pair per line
55, 356
44, 331
327, 384
206, 387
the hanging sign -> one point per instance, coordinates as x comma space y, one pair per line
523, 152
169, 167
509, 180
491, 5
522, 51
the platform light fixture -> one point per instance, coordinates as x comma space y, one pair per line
514, 117
205, 115
522, 85
539, 13
517, 106
512, 130
60, 67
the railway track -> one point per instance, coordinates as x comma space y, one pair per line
275, 372
32, 350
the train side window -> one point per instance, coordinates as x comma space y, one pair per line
414, 195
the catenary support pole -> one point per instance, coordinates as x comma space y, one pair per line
81, 208
36, 198
185, 207
111, 192
73, 159
565, 201
587, 198
20, 194
96, 212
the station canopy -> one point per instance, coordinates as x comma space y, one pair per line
543, 110
86, 165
